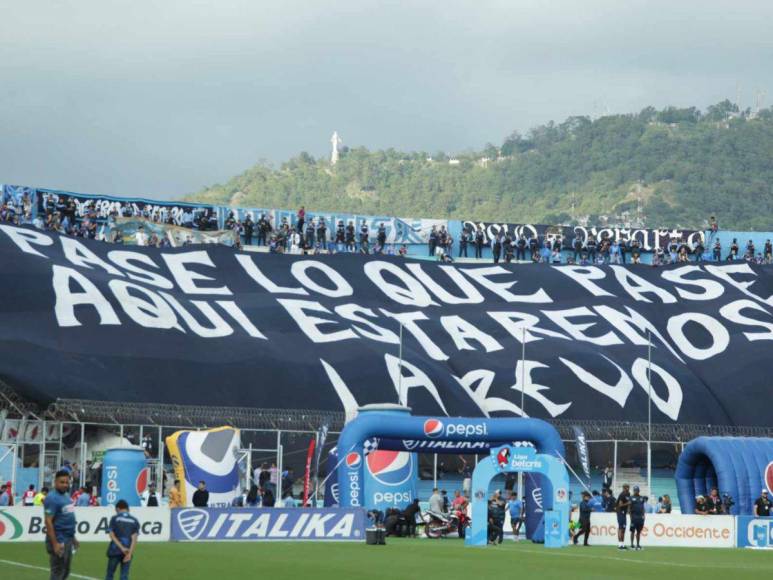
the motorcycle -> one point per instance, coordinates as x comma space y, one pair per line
438, 525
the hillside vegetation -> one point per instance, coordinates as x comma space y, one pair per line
674, 167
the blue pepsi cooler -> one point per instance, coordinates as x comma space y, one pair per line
390, 476
124, 476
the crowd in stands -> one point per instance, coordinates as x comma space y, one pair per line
315, 236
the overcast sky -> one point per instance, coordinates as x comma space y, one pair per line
162, 98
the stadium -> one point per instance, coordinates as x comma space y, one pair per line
363, 381
376, 290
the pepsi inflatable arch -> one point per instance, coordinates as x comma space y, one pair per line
393, 426
739, 466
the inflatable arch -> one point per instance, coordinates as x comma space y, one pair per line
508, 459
398, 430
739, 466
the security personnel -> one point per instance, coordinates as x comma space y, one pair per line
638, 503
124, 530
621, 507
762, 506
585, 510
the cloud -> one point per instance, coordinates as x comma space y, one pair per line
162, 98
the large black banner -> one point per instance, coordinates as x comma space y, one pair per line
649, 239
210, 326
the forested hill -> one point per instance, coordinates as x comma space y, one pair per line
674, 167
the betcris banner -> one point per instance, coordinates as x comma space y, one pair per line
390, 479
754, 532
284, 524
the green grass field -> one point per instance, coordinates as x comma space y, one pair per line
400, 559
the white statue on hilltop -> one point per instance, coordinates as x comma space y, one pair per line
335, 140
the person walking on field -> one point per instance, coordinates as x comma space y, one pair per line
585, 510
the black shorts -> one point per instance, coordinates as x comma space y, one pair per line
621, 519
637, 524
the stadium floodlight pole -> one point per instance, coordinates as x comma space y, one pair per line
523, 371
400, 373
523, 392
649, 412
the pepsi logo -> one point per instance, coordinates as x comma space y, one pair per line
390, 467
142, 480
353, 460
769, 477
433, 428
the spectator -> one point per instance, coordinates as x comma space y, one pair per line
410, 514
4, 497
701, 507
463, 240
479, 240
141, 238
591, 247
606, 477
762, 505
151, 498
253, 497
240, 500
714, 502
460, 502
768, 253
249, 229
29, 496
340, 237
40, 498
267, 496
436, 502
733, 255
175, 496
496, 249
147, 445
301, 219
717, 251
577, 245
322, 233
607, 500
521, 248
84, 497
201, 495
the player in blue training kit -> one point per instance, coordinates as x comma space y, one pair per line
638, 504
621, 507
124, 529
60, 526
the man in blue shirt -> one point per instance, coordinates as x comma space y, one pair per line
60, 526
515, 506
637, 503
585, 510
124, 529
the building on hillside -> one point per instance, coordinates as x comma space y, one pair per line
337, 143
